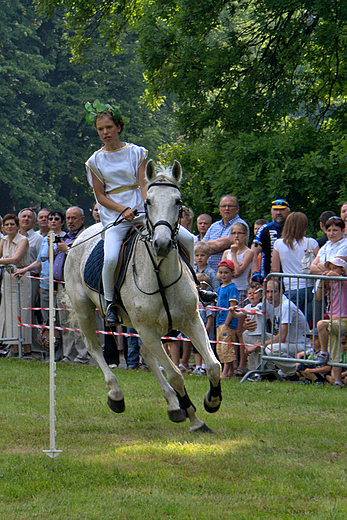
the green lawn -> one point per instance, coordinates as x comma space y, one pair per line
278, 450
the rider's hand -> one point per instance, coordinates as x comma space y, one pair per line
128, 214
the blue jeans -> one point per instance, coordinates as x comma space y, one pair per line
298, 297
134, 345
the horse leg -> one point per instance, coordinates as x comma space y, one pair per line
176, 414
87, 325
175, 379
198, 336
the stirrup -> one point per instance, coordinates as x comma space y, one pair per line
112, 318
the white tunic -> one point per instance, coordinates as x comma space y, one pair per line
116, 170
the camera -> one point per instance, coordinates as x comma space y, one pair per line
57, 239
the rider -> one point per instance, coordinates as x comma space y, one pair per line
117, 174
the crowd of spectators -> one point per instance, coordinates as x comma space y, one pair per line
226, 262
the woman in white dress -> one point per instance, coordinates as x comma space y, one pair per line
289, 250
117, 174
14, 251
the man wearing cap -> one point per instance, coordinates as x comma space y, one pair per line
218, 236
267, 235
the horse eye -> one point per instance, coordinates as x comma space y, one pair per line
148, 202
178, 202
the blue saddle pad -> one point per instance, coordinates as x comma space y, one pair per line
93, 268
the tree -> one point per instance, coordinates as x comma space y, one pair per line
232, 65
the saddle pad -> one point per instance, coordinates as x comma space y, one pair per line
94, 264
93, 268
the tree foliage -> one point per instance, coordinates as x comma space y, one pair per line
232, 64
306, 168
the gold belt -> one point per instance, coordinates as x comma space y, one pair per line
121, 189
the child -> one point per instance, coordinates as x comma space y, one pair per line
207, 317
201, 255
225, 323
338, 310
343, 360
317, 373
254, 296
241, 256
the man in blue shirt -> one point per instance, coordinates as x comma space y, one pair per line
218, 236
267, 236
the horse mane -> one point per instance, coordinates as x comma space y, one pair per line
163, 175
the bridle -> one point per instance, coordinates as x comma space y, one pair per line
151, 227
156, 266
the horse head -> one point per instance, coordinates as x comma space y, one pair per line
163, 206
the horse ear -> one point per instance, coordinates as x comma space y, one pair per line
177, 171
150, 170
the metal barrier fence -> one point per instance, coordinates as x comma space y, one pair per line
292, 306
10, 300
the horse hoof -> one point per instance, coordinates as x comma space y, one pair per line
209, 408
116, 406
177, 415
203, 429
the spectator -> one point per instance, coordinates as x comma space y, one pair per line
258, 224
95, 213
218, 236
14, 250
337, 325
252, 337
343, 215
133, 355
241, 256
187, 217
41, 264
288, 329
27, 220
317, 373
202, 253
336, 245
207, 317
226, 324
203, 222
267, 236
288, 254
74, 349
42, 220
322, 220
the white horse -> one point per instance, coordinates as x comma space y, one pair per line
158, 293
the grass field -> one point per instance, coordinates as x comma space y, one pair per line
278, 450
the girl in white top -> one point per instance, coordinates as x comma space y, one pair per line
288, 253
290, 250
117, 174
242, 257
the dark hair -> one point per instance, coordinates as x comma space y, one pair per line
10, 216
109, 115
57, 212
254, 285
261, 221
294, 228
336, 221
325, 216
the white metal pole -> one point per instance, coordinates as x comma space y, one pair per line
52, 452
